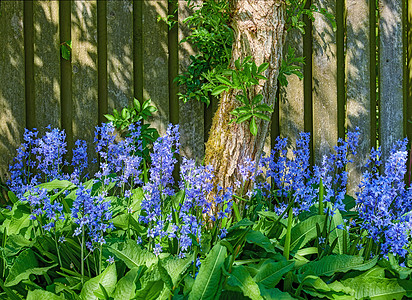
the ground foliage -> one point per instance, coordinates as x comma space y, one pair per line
127, 232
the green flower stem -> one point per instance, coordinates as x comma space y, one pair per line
286, 251
82, 256
57, 248
321, 194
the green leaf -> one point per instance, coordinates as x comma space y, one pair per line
263, 67
243, 118
56, 184
240, 277
43, 295
126, 287
65, 49
12, 197
332, 264
394, 266
271, 272
337, 233
253, 127
132, 254
274, 294
219, 89
136, 104
374, 288
263, 107
257, 99
9, 292
151, 284
25, 265
109, 117
223, 80
207, 281
304, 232
108, 279
257, 238
261, 116
175, 268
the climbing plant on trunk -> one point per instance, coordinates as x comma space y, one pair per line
259, 32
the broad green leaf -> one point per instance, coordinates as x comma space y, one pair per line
338, 233
253, 126
374, 288
20, 221
132, 254
13, 198
240, 277
25, 265
151, 284
304, 232
108, 279
43, 295
56, 184
9, 292
274, 294
394, 266
126, 287
175, 268
271, 272
241, 223
14, 244
208, 278
257, 238
332, 264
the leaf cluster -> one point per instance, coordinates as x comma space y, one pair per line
243, 79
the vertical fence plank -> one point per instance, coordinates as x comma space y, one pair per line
12, 103
84, 65
391, 74
325, 118
119, 53
358, 82
291, 105
46, 64
409, 74
191, 114
155, 64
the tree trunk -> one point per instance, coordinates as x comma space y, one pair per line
259, 29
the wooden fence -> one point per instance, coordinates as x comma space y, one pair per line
359, 75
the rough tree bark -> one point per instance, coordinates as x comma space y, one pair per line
259, 31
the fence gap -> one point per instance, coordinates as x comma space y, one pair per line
138, 50
173, 63
102, 60
66, 75
307, 80
29, 64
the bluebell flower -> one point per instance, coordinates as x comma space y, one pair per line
384, 202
